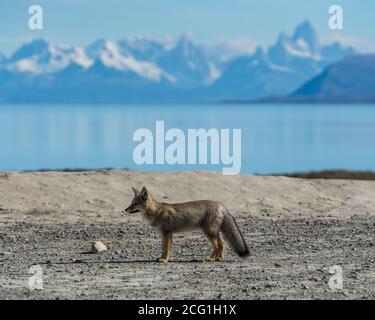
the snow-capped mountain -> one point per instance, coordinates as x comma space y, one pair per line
108, 54
281, 69
180, 62
224, 50
253, 76
146, 49
188, 63
39, 57
305, 39
170, 69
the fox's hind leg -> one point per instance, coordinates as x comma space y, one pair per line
215, 244
220, 254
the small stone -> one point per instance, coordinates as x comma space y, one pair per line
98, 247
305, 286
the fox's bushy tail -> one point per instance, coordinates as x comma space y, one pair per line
233, 235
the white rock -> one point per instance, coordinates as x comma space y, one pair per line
98, 247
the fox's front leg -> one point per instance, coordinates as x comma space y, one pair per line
167, 245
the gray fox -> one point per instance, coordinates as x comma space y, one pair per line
209, 216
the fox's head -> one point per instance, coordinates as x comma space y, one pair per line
139, 203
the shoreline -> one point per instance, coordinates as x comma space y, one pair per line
335, 174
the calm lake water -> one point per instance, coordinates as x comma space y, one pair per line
275, 138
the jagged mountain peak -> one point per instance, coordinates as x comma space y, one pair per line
185, 45
305, 37
36, 46
188, 62
39, 56
304, 29
99, 47
302, 45
144, 48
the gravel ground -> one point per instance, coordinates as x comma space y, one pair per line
290, 259
297, 229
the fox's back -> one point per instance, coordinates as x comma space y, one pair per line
193, 214
198, 206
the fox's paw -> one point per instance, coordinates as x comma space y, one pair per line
162, 260
214, 259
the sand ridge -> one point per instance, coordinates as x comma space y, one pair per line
102, 195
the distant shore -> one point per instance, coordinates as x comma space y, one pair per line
323, 174
334, 174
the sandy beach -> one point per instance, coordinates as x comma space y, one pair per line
296, 229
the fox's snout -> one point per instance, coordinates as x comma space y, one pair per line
130, 209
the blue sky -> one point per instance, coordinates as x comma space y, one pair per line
82, 21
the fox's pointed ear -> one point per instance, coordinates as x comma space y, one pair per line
135, 191
144, 193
